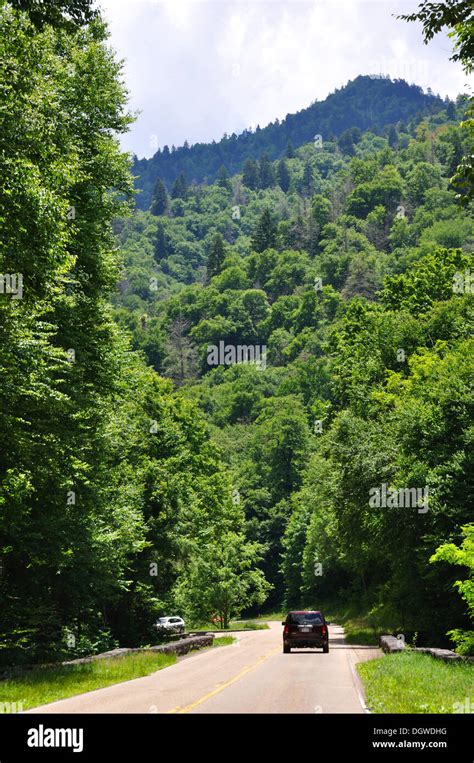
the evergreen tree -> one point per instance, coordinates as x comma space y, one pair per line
198, 196
159, 204
250, 177
451, 110
160, 243
265, 234
216, 257
307, 183
180, 187
392, 137
290, 151
265, 172
321, 211
348, 139
223, 178
361, 280
283, 175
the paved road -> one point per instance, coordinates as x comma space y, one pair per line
251, 676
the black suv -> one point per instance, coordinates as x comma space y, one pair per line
305, 630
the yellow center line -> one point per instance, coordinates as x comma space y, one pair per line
223, 686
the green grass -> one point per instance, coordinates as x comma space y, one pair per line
44, 685
234, 625
416, 683
209, 627
357, 631
223, 641
360, 627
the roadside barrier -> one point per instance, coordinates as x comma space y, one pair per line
183, 646
391, 644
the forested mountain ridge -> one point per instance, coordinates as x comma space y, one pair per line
360, 179
366, 102
349, 263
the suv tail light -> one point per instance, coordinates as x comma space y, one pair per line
324, 630
286, 630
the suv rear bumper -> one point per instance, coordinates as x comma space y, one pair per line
311, 644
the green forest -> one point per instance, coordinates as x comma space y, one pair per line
237, 377
368, 102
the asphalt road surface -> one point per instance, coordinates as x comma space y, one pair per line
251, 676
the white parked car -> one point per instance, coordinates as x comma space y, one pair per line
170, 625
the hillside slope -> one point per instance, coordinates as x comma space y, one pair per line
366, 102
348, 271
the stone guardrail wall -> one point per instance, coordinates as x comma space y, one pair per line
391, 644
183, 646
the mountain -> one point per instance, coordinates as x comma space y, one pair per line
347, 270
367, 102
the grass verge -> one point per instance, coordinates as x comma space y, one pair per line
234, 625
251, 626
223, 641
357, 631
408, 682
359, 626
45, 685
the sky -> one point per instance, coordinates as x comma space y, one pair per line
196, 69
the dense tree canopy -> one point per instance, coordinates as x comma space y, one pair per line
364, 103
325, 456
458, 17
109, 484
361, 294
58, 13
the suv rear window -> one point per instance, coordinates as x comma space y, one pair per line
305, 618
